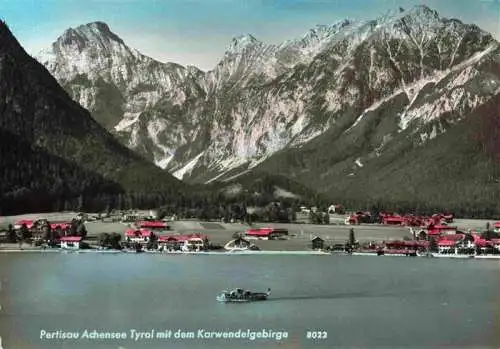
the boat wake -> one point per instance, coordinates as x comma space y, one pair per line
345, 295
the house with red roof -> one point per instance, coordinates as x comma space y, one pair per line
71, 242
483, 245
28, 222
440, 230
61, 225
137, 235
171, 242
266, 233
188, 242
457, 243
447, 246
393, 220
466, 244
153, 225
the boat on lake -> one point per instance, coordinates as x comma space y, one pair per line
239, 295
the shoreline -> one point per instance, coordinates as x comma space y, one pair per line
203, 253
248, 253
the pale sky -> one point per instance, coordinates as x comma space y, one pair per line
196, 32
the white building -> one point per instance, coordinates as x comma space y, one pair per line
71, 242
141, 236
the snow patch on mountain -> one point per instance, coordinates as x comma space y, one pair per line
155, 127
186, 169
128, 120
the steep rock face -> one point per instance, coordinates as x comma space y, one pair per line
36, 110
117, 83
445, 156
410, 72
165, 111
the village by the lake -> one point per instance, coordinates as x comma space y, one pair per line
307, 231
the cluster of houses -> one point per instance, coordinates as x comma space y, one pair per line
401, 220
151, 233
145, 234
69, 234
442, 240
171, 242
32, 224
430, 233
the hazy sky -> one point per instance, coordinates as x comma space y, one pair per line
197, 32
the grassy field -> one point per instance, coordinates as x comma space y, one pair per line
221, 233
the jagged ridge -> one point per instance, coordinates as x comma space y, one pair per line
408, 68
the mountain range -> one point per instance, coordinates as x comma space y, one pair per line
402, 108
261, 99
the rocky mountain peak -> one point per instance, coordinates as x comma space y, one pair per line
418, 13
90, 34
87, 49
320, 33
423, 10
322, 29
241, 43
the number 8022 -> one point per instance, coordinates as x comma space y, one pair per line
316, 335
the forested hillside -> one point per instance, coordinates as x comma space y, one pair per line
55, 155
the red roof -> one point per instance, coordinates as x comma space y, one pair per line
453, 237
438, 229
446, 243
28, 222
482, 243
152, 224
497, 225
394, 219
71, 238
259, 232
137, 233
62, 225
476, 236
264, 231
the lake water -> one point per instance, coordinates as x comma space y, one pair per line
360, 302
